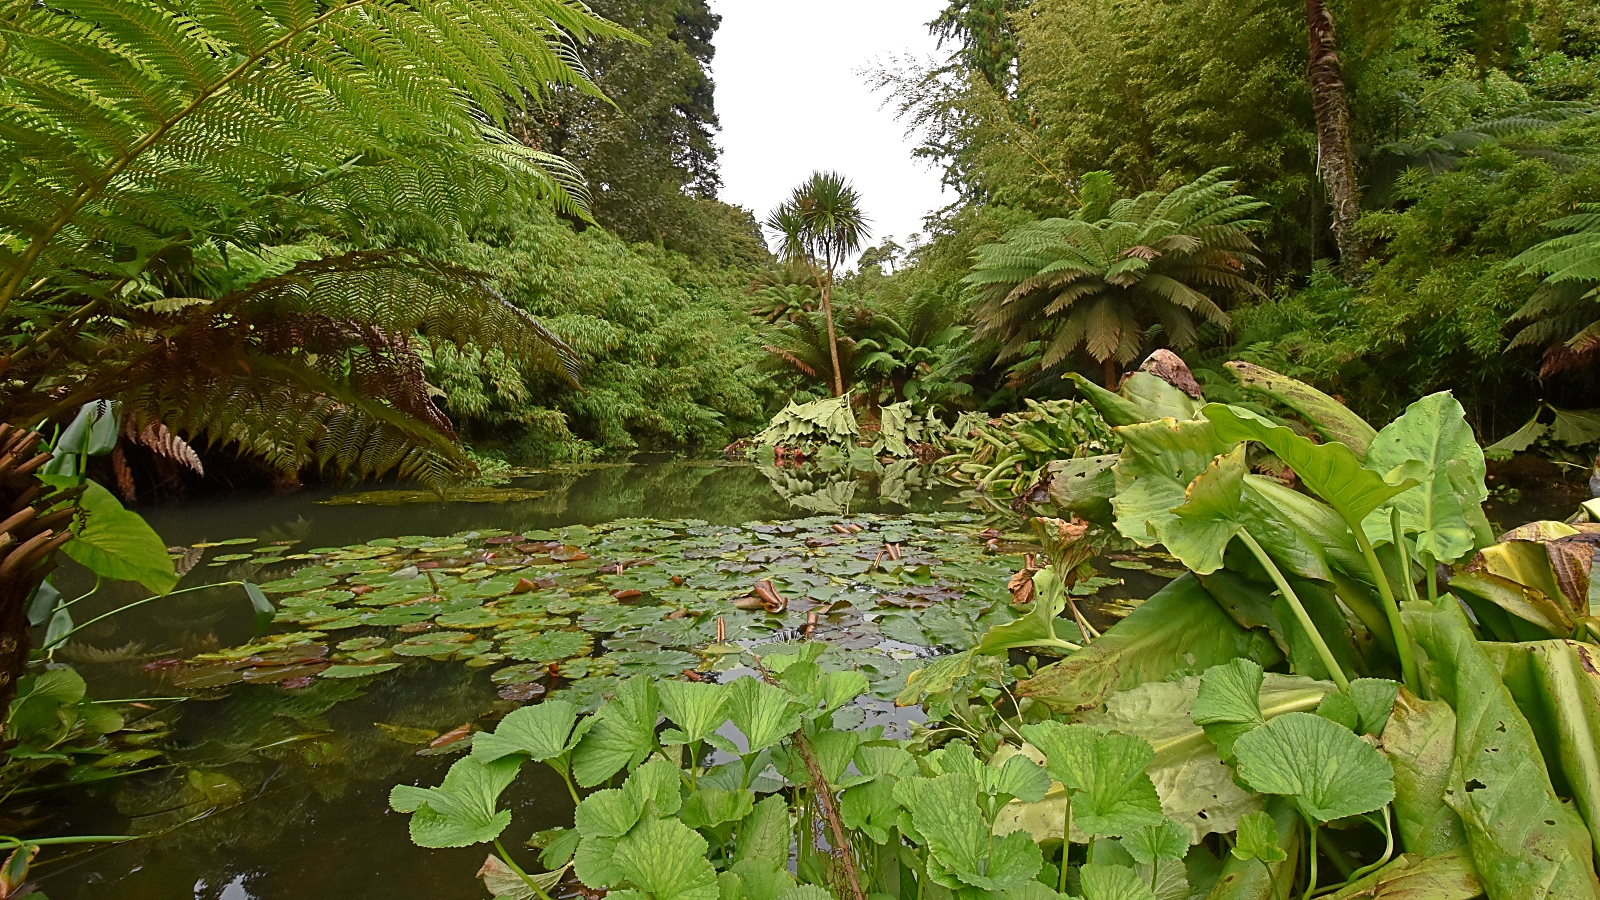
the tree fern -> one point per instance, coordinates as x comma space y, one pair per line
1060, 285
146, 140
1564, 312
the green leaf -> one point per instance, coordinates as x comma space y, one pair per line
43, 703
1251, 879
947, 816
551, 646
1331, 471
1258, 839
1112, 883
870, 808
265, 611
698, 709
608, 814
1020, 777
1332, 419
1105, 770
806, 892
461, 810
1149, 844
1228, 705
1159, 460
1373, 698
709, 807
542, 731
1200, 530
1339, 709
763, 879
1179, 627
1420, 741
1434, 431
1114, 408
1038, 627
764, 714
595, 862
558, 847
764, 834
42, 603
1413, 876
623, 734
1524, 840
115, 543
1326, 770
667, 860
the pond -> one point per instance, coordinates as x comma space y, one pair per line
275, 776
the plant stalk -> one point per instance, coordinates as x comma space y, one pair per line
1402, 637
1300, 614
526, 878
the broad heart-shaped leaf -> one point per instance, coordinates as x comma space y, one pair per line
1524, 840
1229, 703
1112, 883
1158, 398
763, 713
623, 733
1105, 770
1332, 419
1331, 471
667, 860
1326, 770
114, 543
1199, 531
1433, 431
697, 709
1018, 776
1159, 460
542, 731
946, 814
1258, 839
1150, 843
460, 811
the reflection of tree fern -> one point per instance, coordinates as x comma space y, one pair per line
168, 152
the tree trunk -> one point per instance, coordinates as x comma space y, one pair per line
1112, 376
29, 536
833, 342
1335, 158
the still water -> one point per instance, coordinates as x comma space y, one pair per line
278, 794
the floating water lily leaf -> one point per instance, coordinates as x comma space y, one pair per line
551, 646
1105, 771
1258, 839
460, 811
1326, 770
357, 671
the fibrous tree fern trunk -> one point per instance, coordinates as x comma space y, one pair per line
1335, 158
34, 520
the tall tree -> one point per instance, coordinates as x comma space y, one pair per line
821, 225
1335, 153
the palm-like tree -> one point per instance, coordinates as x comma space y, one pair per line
1157, 259
1564, 313
820, 226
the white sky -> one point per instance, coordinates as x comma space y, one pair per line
787, 70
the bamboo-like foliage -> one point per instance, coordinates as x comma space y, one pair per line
144, 138
1060, 284
1564, 312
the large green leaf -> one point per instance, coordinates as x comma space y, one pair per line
667, 859
1434, 431
1556, 685
1159, 460
1420, 741
764, 714
1114, 408
946, 814
1525, 842
697, 709
1158, 398
1084, 486
764, 834
1113, 883
115, 543
1179, 627
1038, 627
1332, 471
1200, 530
1332, 419
1326, 770
542, 731
709, 807
623, 734
461, 811
1106, 773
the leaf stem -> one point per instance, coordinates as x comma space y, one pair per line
526, 878
1300, 614
1402, 637
1066, 841
1311, 878
1388, 850
63, 639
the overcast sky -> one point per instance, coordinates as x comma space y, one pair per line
792, 100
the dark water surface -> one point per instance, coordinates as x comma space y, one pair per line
309, 817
